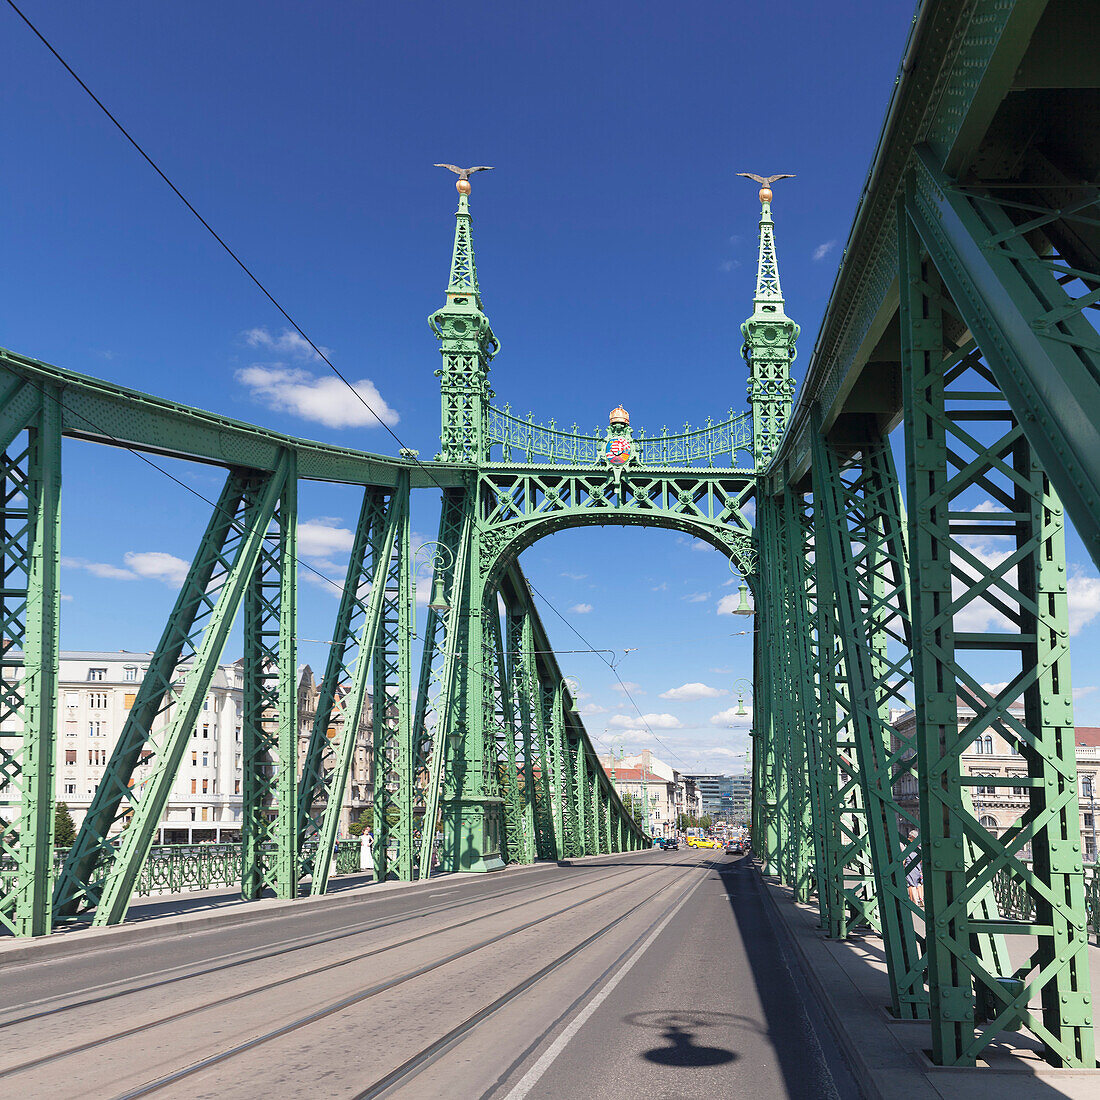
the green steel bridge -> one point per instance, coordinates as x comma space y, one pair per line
958, 345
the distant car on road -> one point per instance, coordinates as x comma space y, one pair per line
701, 842
669, 844
735, 848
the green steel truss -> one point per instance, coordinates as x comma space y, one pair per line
963, 313
30, 500
989, 577
270, 713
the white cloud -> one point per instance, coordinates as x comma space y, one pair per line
824, 249
324, 400
288, 342
581, 608
149, 564
732, 580
626, 685
662, 587
697, 597
65, 596
660, 721
723, 671
575, 576
1080, 693
727, 605
326, 584
590, 709
158, 566
322, 537
693, 691
1083, 594
730, 717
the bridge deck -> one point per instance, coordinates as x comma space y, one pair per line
651, 974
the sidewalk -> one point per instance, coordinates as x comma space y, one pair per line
887, 1056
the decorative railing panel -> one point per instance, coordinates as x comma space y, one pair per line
177, 868
1016, 903
515, 439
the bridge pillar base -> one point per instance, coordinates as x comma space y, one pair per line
472, 830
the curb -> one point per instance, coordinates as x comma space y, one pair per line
20, 952
861, 1071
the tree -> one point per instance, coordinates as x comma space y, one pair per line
64, 828
635, 807
705, 821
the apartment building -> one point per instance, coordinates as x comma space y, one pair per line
995, 753
96, 691
668, 792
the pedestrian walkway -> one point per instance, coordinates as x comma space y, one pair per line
888, 1056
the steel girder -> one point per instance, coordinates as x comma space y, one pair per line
385, 530
269, 851
104, 864
1022, 279
30, 512
860, 508
442, 663
392, 758
986, 538
501, 724
521, 745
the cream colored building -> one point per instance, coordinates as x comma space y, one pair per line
668, 792
993, 754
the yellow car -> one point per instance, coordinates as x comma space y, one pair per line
701, 842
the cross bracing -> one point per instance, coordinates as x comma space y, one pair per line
952, 395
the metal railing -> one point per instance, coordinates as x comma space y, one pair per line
177, 868
1015, 902
520, 439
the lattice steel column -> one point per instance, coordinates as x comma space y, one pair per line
392, 756
522, 755
861, 512
30, 514
385, 544
977, 493
269, 729
104, 864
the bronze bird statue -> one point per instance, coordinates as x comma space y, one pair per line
463, 181
766, 182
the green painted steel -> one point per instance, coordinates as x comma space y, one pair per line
30, 483
270, 718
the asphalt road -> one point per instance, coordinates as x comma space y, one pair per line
650, 974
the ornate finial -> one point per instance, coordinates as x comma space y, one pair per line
619, 416
765, 182
462, 184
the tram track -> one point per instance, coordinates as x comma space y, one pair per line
354, 998
434, 1050
272, 951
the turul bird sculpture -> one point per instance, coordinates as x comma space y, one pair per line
766, 182
463, 182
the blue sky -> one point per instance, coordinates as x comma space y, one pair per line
616, 250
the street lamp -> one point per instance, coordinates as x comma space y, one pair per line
741, 686
441, 560
743, 605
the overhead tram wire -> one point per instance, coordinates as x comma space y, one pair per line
301, 332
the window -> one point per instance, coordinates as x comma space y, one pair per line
1086, 786
97, 674
988, 822
129, 673
70, 788
236, 786
70, 757
194, 759
206, 731
205, 814
194, 786
96, 729
128, 699
237, 734
206, 786
206, 703
192, 813
1088, 821
71, 699
97, 700
1019, 790
206, 760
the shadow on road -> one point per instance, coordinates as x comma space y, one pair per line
679, 1030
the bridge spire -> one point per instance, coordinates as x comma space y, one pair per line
466, 341
770, 338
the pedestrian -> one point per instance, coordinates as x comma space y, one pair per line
914, 872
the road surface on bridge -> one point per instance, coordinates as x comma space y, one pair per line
651, 974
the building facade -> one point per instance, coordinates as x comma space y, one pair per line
996, 754
95, 693
667, 791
